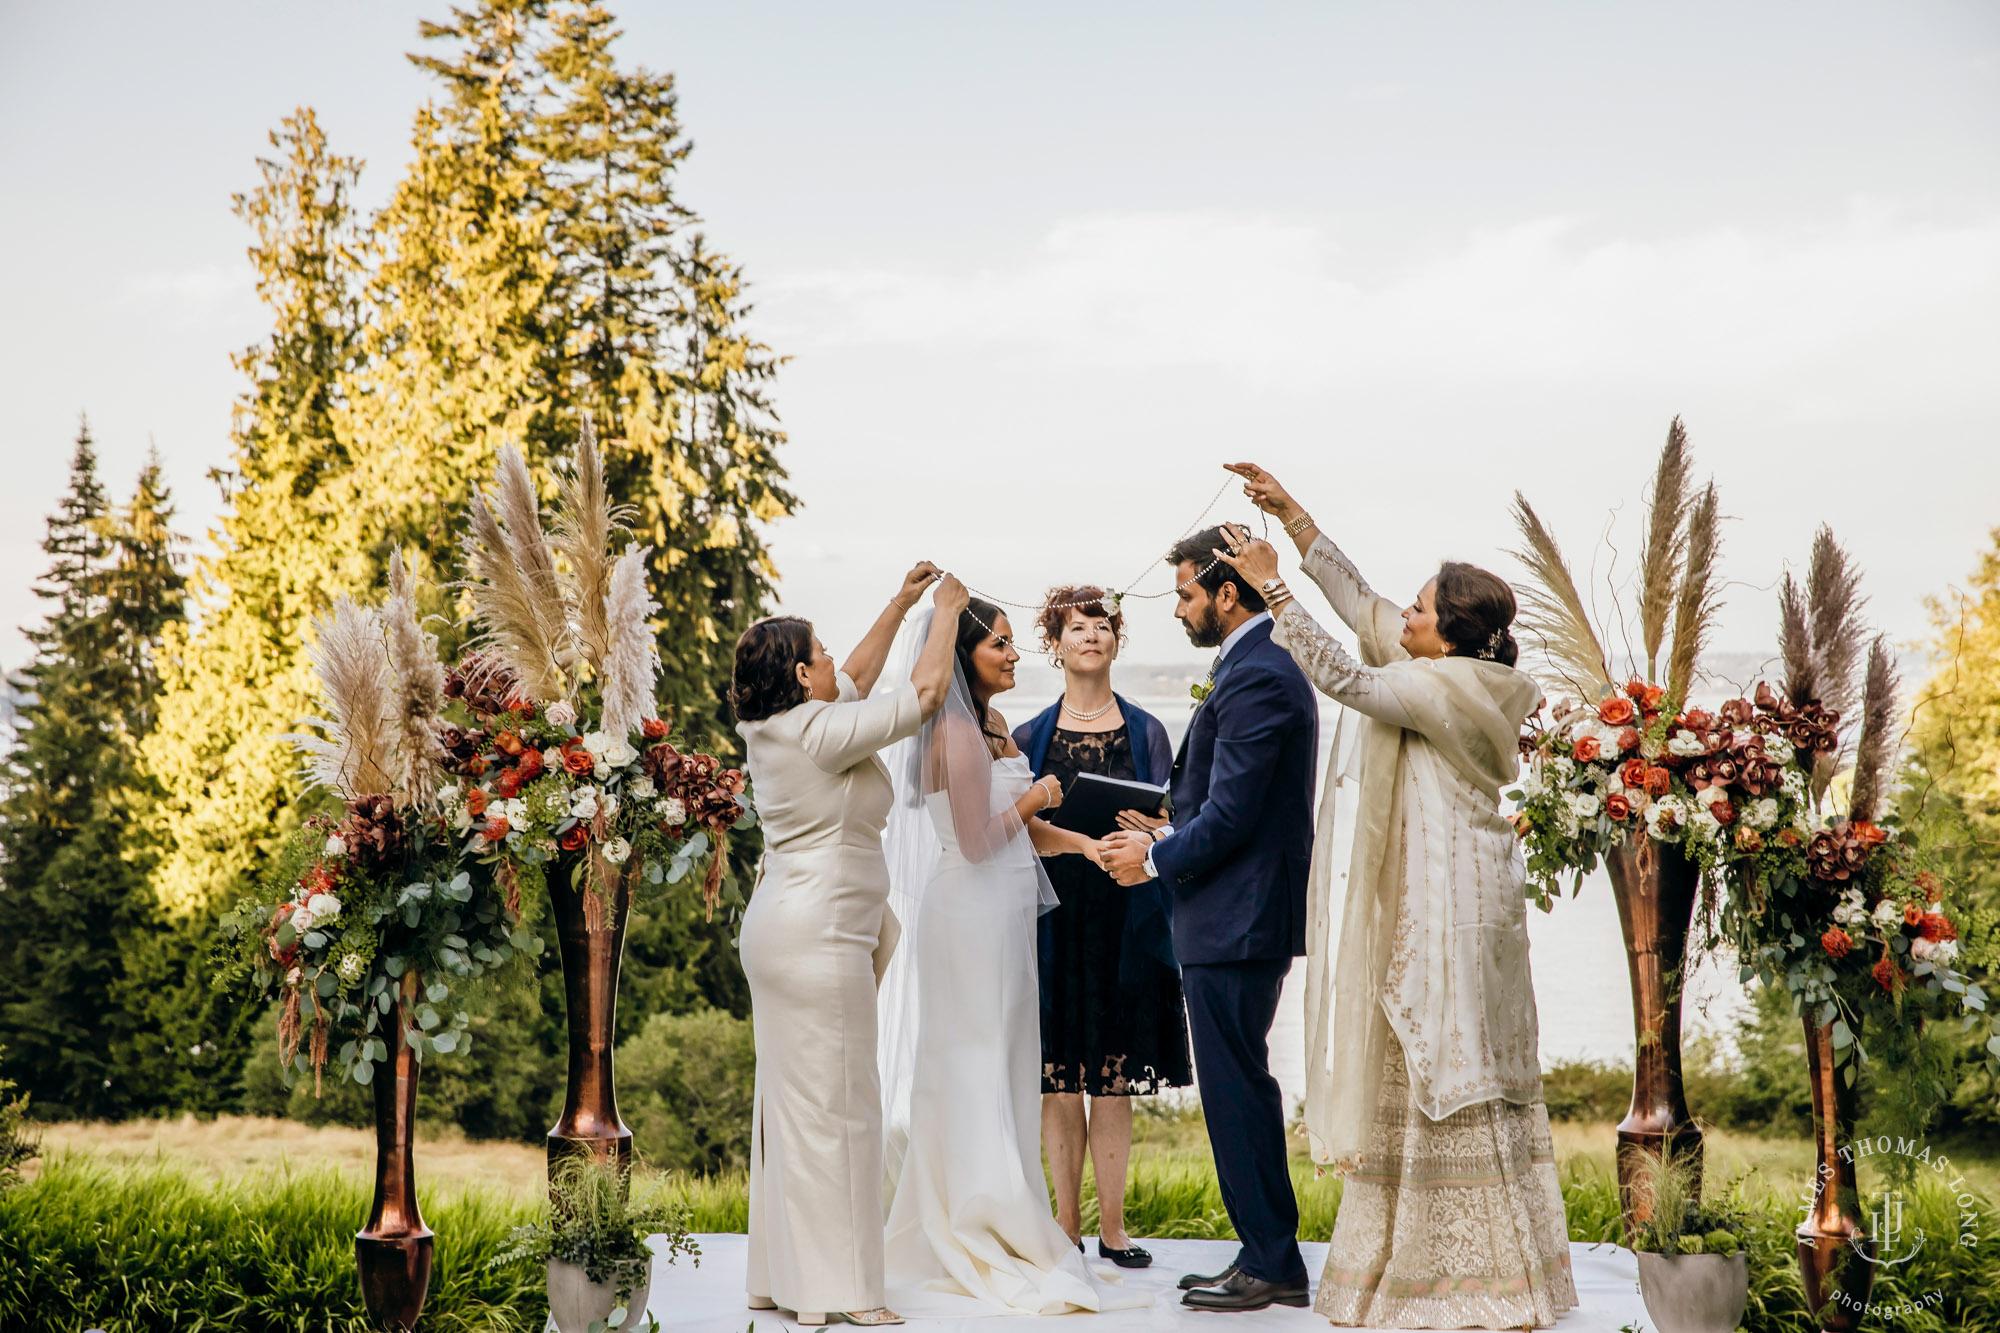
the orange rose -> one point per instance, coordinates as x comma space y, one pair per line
1586, 750
1633, 773
579, 761
1887, 975
1836, 942
1867, 834
653, 729
1749, 840
1651, 702
508, 784
494, 829
1618, 806
1635, 689
1788, 836
574, 839
1912, 914
508, 742
1935, 926
529, 765
1628, 739
1616, 711
475, 802
1659, 781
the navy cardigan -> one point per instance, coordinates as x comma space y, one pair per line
1149, 917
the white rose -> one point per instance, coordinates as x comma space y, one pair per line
600, 768
1709, 795
1922, 949
609, 805
642, 787
672, 810
1707, 825
1779, 749
336, 846
461, 818
596, 742
302, 920
617, 850
1614, 783
1585, 805
1685, 743
561, 713
1944, 952
1888, 912
1762, 814
515, 809
619, 753
1850, 910
552, 760
583, 803
450, 794
323, 906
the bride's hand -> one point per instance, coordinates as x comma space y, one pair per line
1094, 850
921, 576
1053, 787
1263, 490
951, 596
1255, 560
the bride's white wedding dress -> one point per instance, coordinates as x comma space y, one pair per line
970, 1229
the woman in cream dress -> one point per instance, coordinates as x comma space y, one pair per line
1423, 1078
815, 938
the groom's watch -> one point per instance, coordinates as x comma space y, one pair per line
1158, 833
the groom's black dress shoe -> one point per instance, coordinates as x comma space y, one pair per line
1192, 1280
1240, 1291
1130, 1257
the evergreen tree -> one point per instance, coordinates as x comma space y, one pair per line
73, 901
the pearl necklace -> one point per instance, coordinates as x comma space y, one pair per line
1092, 715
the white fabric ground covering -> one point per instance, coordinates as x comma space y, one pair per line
709, 1298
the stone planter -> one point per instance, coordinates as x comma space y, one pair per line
575, 1302
1695, 1293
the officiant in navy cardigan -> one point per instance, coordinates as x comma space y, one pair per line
1113, 1023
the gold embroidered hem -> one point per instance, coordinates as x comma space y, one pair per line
1453, 1223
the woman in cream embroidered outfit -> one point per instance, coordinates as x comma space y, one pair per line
1423, 1080
816, 937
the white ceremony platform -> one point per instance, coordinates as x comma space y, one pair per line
709, 1298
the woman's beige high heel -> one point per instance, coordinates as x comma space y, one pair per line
762, 1303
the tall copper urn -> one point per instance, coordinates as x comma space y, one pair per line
590, 935
1836, 1254
393, 1252
1655, 886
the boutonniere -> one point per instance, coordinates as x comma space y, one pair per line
1201, 689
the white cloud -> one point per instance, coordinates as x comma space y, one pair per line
1278, 300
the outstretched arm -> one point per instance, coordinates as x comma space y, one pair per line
1333, 671
1353, 600
864, 664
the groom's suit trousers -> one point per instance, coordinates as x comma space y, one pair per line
1230, 1009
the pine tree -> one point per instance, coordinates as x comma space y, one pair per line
73, 901
290, 541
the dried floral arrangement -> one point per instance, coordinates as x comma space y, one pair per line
1726, 788
369, 926
461, 787
1856, 924
559, 752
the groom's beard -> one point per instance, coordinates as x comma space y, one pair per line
1204, 627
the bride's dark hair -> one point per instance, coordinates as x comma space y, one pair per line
975, 626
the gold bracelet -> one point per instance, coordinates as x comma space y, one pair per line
1299, 524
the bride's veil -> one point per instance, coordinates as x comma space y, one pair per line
944, 795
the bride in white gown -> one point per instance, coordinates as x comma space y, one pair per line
970, 1230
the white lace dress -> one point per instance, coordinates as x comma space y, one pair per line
1453, 1217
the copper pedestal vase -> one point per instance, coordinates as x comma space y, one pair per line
1836, 1254
590, 934
1655, 886
393, 1252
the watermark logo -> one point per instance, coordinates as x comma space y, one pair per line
1893, 1236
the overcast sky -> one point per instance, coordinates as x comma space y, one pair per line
1042, 268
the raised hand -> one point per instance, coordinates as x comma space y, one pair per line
1263, 490
921, 576
1255, 560
951, 596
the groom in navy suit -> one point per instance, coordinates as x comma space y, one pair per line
1236, 856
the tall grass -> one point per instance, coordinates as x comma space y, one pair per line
153, 1248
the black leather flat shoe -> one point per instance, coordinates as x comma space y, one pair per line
1193, 1280
1130, 1257
1243, 1292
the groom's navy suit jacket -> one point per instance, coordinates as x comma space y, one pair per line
1243, 823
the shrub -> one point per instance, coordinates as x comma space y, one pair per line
686, 1085
18, 1142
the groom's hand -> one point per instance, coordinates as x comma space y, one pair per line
1124, 856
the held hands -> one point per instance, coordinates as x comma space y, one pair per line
1255, 560
921, 576
1123, 856
1262, 489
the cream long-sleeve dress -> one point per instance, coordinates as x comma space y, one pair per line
816, 936
1423, 1076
